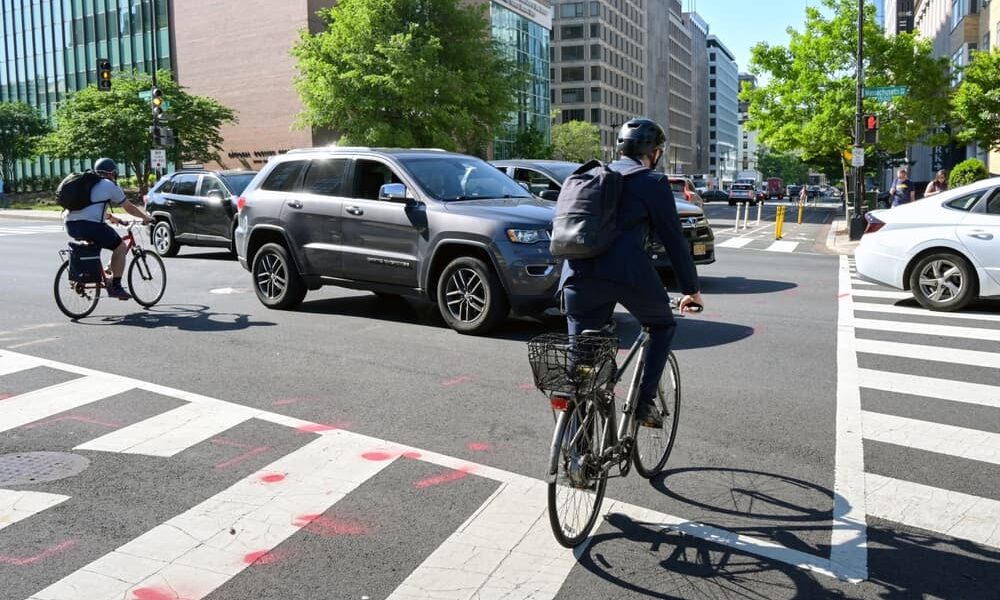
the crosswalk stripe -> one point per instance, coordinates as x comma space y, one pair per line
856, 281
32, 406
923, 312
941, 511
781, 246
956, 356
737, 242
12, 363
972, 333
171, 432
931, 387
17, 505
506, 549
197, 551
962, 442
892, 295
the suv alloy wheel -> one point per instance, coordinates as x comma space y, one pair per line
276, 281
470, 296
163, 239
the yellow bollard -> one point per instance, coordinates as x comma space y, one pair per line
779, 222
801, 206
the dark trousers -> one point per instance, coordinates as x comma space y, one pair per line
590, 303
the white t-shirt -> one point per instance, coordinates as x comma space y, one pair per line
101, 194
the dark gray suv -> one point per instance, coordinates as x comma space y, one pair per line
426, 223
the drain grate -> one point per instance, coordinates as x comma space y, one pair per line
25, 468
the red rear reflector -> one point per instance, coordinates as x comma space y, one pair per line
559, 402
873, 224
240, 203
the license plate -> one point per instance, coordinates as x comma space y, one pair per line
700, 250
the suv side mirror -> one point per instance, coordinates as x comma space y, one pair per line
393, 192
549, 195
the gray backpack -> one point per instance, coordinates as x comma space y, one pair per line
586, 211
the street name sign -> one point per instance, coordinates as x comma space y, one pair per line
887, 93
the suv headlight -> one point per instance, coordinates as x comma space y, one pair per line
527, 236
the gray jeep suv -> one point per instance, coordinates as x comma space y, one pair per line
427, 223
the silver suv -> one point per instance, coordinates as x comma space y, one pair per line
426, 223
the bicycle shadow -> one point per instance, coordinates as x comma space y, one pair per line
183, 317
734, 285
691, 333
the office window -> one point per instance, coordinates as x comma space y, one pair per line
711, 70
957, 12
595, 52
595, 30
573, 74
571, 10
572, 53
571, 32
711, 122
711, 135
711, 147
595, 95
711, 96
572, 95
711, 82
576, 114
711, 109
595, 9
595, 73
595, 116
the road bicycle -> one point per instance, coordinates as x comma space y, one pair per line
579, 375
147, 278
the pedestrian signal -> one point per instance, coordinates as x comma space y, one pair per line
870, 123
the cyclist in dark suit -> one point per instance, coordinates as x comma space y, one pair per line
624, 274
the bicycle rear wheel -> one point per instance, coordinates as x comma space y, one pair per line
576, 480
147, 278
75, 300
653, 445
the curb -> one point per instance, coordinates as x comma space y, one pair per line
838, 239
31, 215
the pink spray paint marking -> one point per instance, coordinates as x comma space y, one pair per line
320, 427
262, 557
526, 387
252, 452
379, 455
77, 418
328, 527
5, 396
411, 455
456, 381
838, 296
20, 561
479, 446
148, 593
272, 477
427, 482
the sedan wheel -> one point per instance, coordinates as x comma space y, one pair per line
276, 280
163, 239
944, 281
470, 296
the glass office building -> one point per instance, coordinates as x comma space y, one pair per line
525, 39
50, 49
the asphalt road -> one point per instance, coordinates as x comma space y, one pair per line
448, 426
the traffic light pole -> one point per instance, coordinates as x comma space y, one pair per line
856, 226
156, 64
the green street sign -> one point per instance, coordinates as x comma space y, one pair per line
886, 93
146, 95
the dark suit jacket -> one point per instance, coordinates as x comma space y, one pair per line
647, 202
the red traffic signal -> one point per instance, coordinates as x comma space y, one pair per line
870, 124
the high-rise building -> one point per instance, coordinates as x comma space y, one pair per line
698, 30
747, 160
679, 123
723, 117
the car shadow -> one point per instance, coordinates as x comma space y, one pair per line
184, 317
221, 254
735, 285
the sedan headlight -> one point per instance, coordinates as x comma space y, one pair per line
527, 236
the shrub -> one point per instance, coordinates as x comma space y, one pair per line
967, 171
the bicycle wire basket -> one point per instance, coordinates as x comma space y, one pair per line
578, 365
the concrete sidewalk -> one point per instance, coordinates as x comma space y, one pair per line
838, 240
34, 215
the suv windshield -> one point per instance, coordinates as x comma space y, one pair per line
451, 178
237, 182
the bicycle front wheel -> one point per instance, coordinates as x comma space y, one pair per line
653, 445
75, 300
576, 480
147, 278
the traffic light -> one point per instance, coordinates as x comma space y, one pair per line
156, 102
157, 132
104, 74
870, 124
167, 136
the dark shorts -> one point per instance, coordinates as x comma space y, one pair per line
101, 234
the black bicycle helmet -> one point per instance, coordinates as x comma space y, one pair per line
105, 165
639, 137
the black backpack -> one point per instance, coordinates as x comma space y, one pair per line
586, 211
73, 192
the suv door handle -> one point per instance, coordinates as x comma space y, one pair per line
982, 235
170, 203
354, 210
294, 204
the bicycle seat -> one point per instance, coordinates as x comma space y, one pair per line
609, 328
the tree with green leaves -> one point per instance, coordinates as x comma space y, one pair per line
21, 130
808, 103
576, 141
977, 101
530, 142
789, 167
968, 171
116, 124
406, 73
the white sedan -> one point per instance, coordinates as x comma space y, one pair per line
945, 248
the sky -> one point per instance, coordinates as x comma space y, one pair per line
740, 24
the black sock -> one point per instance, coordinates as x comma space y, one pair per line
116, 281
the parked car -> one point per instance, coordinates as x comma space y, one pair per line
711, 195
425, 223
943, 249
793, 191
195, 208
742, 192
684, 187
698, 232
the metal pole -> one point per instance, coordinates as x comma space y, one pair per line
856, 225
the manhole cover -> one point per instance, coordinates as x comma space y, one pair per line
23, 468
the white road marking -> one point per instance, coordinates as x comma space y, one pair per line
942, 511
971, 333
780, 246
962, 442
171, 432
956, 356
17, 505
856, 281
849, 537
931, 387
892, 295
737, 242
195, 552
33, 342
12, 363
923, 312
32, 406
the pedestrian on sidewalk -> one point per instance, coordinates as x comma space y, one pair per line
901, 191
938, 184
803, 195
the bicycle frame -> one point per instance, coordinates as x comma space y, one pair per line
130, 246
